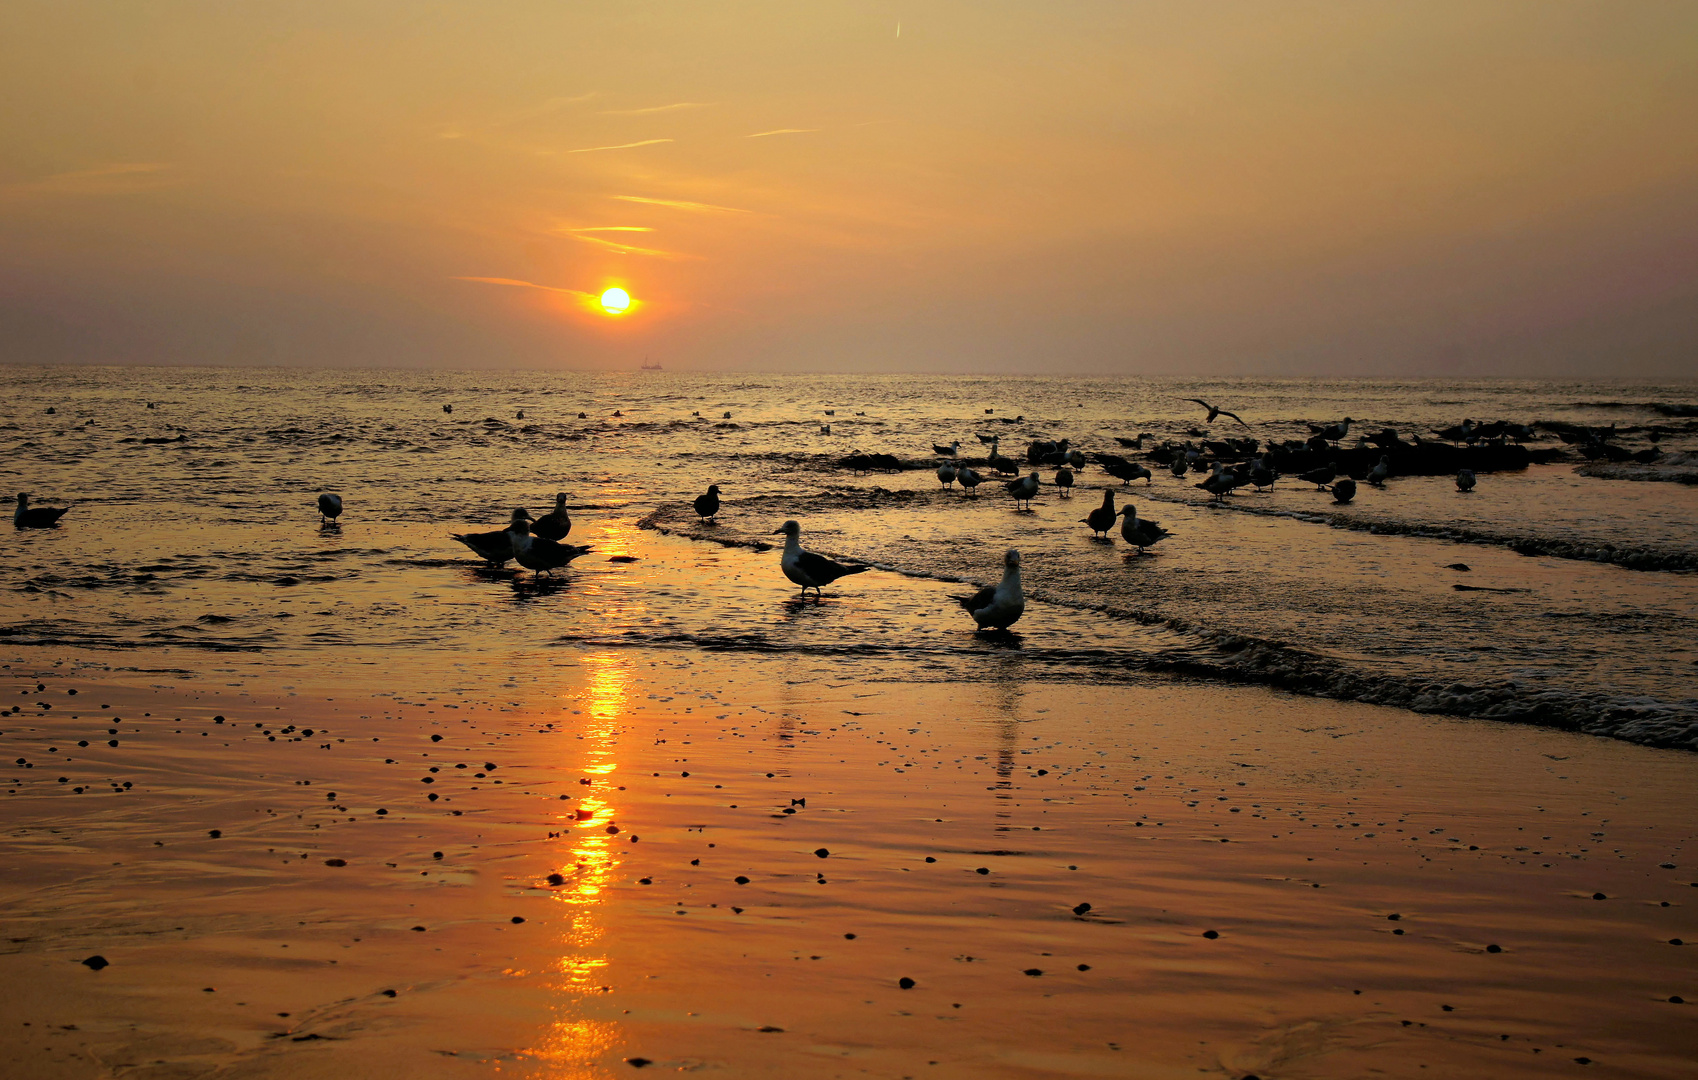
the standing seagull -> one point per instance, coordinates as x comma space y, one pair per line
805, 568
1000, 607
329, 508
1101, 520
1023, 489
40, 517
707, 503
1139, 532
1064, 481
946, 451
495, 548
969, 480
1464, 482
1320, 477
1377, 475
1344, 490
946, 474
1214, 411
554, 525
536, 554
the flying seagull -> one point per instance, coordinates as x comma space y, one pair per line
37, 517
805, 568
1000, 607
1214, 411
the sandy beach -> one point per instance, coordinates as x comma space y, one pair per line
691, 862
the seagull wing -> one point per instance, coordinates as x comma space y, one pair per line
1235, 416
823, 570
978, 601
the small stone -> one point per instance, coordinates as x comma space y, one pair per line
214, 833
556, 879
96, 962
821, 852
930, 859
905, 983
635, 1062
1394, 917
982, 870
1211, 934
1599, 896
336, 862
740, 879
382, 811
1034, 972
1084, 967
1494, 948
389, 993
848, 937
517, 919
1080, 909
1676, 999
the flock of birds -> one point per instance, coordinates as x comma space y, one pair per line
538, 543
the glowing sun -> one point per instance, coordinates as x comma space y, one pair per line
615, 301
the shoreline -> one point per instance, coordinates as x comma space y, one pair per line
1136, 786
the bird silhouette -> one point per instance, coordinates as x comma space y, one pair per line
807, 569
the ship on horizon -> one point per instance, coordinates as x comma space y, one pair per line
650, 365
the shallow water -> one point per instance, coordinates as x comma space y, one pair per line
206, 538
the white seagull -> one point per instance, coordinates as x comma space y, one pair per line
805, 568
1000, 607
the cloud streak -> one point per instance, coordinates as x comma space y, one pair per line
620, 146
119, 178
629, 249
674, 107
680, 204
780, 131
518, 284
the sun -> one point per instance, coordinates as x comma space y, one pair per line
615, 301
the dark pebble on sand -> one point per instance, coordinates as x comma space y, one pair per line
1084, 967
418, 929
930, 859
214, 833
1583, 1061
645, 881
1599, 896
436, 854
1458, 566
821, 852
336, 862
905, 983
1494, 948
1676, 941
556, 879
96, 962
389, 993
1080, 909
740, 879
1211, 934
982, 870
1676, 999
1034, 972
848, 937
517, 919
383, 811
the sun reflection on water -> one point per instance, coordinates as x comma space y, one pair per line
575, 1043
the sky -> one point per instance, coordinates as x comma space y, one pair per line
1215, 188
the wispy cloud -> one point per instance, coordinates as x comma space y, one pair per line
674, 107
780, 131
612, 228
516, 283
621, 146
680, 204
119, 178
629, 249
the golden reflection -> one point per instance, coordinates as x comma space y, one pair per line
574, 1044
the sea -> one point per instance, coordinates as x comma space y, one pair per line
1563, 593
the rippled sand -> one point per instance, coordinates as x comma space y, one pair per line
1277, 886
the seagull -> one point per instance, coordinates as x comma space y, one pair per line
805, 568
1179, 468
986, 439
707, 503
1344, 490
1261, 476
999, 463
946, 474
969, 480
1334, 432
1377, 475
1000, 607
1023, 489
1221, 482
520, 415
554, 525
1320, 477
946, 451
1064, 481
1214, 411
1076, 459
39, 517
1139, 532
329, 508
495, 548
1464, 481
445, 408
535, 553
1125, 471
1101, 520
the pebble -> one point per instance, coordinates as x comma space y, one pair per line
634, 1062
1080, 909
1211, 934
905, 983
517, 919
336, 862
821, 852
1034, 972
96, 962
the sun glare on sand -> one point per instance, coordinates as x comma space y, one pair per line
615, 301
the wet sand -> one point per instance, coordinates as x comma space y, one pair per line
1277, 886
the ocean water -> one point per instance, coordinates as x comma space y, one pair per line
193, 530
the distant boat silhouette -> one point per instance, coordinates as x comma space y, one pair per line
649, 365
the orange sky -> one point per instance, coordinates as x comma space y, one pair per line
1355, 188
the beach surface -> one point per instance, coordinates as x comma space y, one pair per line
679, 860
